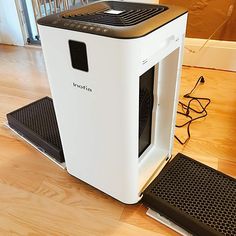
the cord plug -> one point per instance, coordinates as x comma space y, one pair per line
202, 79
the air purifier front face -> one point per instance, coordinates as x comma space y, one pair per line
115, 116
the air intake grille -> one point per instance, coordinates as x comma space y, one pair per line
117, 14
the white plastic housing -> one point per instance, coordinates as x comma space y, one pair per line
99, 129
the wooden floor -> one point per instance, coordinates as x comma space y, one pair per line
39, 198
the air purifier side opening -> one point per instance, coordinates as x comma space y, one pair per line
146, 99
165, 96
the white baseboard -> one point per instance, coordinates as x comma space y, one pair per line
215, 54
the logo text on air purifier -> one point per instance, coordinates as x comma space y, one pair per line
83, 87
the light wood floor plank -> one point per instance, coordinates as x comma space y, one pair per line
26, 213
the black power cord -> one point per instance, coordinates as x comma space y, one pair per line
187, 109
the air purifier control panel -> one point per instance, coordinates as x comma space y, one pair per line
79, 26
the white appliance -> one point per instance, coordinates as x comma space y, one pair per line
114, 72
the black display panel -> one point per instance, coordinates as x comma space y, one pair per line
146, 82
78, 54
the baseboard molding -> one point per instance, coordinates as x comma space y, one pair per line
215, 54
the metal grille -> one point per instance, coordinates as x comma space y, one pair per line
207, 196
127, 17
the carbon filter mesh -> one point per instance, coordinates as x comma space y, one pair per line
37, 122
194, 195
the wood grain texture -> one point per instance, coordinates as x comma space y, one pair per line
39, 198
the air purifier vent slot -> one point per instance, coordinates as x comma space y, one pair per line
117, 14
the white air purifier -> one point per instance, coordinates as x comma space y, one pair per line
114, 72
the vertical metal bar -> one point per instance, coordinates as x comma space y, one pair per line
34, 9
67, 5
39, 8
45, 6
64, 4
59, 5
25, 14
35, 15
50, 6
60, 1
71, 4
55, 6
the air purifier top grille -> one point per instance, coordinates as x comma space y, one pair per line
114, 19
118, 14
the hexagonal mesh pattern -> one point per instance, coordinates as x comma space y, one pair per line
206, 196
37, 123
40, 117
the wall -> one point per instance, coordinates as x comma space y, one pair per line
10, 28
206, 15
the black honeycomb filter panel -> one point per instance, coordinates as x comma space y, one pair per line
195, 197
117, 13
37, 123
